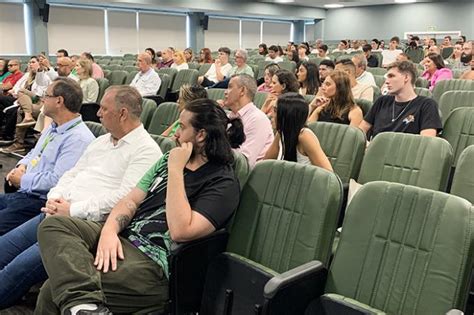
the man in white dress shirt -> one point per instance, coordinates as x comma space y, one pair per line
147, 81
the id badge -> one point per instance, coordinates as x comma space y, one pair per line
34, 162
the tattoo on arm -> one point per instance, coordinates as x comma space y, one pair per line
122, 220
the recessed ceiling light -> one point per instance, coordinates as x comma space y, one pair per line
405, 1
284, 1
333, 6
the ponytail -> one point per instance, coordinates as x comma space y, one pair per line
235, 132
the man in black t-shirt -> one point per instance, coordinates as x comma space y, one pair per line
189, 193
402, 110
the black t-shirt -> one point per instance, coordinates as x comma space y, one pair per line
212, 190
327, 116
409, 117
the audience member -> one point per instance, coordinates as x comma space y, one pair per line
303, 52
293, 141
89, 86
341, 47
88, 191
325, 68
323, 51
372, 61
469, 74
435, 70
359, 90
455, 59
64, 69
187, 93
262, 49
146, 81
362, 75
179, 61
241, 66
283, 81
336, 104
375, 44
219, 70
56, 151
390, 55
308, 78
446, 42
270, 70
292, 55
402, 110
7, 98
97, 72
205, 56
62, 53
152, 54
188, 55
257, 127
3, 69
196, 194
166, 58
273, 54
355, 47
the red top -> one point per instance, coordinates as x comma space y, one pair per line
12, 78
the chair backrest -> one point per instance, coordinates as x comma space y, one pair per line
451, 100
96, 128
169, 71
103, 85
185, 76
423, 92
241, 168
260, 98
215, 94
379, 80
446, 52
377, 71
203, 68
148, 109
365, 105
130, 68
463, 179
343, 145
407, 159
459, 130
131, 75
107, 73
404, 250
165, 115
288, 65
451, 85
416, 55
114, 67
421, 82
194, 65
165, 84
284, 205
165, 143
118, 77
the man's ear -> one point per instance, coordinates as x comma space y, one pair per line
201, 136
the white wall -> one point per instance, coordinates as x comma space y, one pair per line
160, 31
389, 20
12, 30
276, 33
222, 33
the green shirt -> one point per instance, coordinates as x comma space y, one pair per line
246, 70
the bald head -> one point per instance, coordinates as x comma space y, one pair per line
65, 66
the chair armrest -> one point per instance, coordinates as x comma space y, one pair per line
292, 291
188, 267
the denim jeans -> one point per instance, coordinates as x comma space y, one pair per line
17, 208
20, 262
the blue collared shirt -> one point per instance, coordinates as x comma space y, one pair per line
45, 164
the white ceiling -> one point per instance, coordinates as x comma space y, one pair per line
346, 3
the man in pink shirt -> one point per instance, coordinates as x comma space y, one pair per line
97, 72
257, 127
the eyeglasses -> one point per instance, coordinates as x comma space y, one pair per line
46, 95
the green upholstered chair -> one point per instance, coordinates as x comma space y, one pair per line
148, 109
215, 94
118, 77
423, 92
421, 82
407, 159
459, 130
287, 217
260, 98
309, 98
454, 99
463, 179
377, 71
185, 76
416, 55
203, 68
451, 85
103, 85
241, 167
165, 143
169, 71
344, 146
130, 68
96, 128
379, 79
194, 65
365, 105
165, 85
288, 65
131, 75
113, 67
403, 250
164, 116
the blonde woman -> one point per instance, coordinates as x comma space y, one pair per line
89, 86
179, 61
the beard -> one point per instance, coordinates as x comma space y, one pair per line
466, 58
196, 149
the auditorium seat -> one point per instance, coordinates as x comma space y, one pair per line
148, 109
118, 77
286, 217
463, 179
459, 130
451, 100
403, 250
103, 85
423, 92
343, 145
260, 98
165, 143
377, 71
130, 76
169, 71
186, 76
451, 85
165, 85
203, 68
364, 105
215, 94
96, 128
408, 159
421, 82
163, 117
379, 80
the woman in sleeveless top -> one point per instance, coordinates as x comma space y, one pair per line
336, 104
283, 81
294, 142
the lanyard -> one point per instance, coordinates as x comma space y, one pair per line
50, 137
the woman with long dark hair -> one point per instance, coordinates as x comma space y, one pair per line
337, 104
3, 69
308, 77
283, 81
205, 56
262, 49
293, 141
